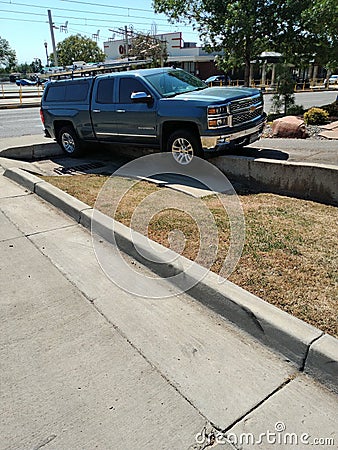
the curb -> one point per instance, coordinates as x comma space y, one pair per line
312, 351
32, 151
310, 181
317, 182
20, 105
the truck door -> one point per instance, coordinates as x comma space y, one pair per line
137, 121
103, 110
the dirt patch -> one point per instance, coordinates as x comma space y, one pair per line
290, 256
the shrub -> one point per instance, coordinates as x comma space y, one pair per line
295, 110
316, 116
332, 108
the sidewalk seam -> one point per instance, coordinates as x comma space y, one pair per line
279, 388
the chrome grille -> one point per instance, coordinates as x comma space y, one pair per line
246, 103
246, 116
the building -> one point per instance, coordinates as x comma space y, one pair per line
186, 55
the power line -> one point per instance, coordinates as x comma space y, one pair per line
106, 6
20, 12
23, 20
76, 10
160, 30
72, 17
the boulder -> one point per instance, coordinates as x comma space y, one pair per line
289, 127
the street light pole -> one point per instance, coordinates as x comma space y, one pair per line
47, 58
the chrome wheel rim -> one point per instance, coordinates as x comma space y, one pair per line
68, 142
182, 151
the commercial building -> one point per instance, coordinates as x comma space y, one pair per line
186, 55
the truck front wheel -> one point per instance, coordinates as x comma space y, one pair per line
184, 145
69, 142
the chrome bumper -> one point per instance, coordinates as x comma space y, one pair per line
215, 142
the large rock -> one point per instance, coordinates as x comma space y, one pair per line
289, 127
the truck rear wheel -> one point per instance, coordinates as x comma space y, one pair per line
184, 145
69, 142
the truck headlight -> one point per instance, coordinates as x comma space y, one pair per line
219, 122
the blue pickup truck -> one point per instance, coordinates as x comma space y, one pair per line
165, 108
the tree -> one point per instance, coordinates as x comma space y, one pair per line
307, 31
146, 46
78, 48
7, 55
321, 17
284, 96
36, 65
240, 29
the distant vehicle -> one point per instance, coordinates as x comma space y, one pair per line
217, 80
79, 65
333, 79
25, 82
52, 69
14, 76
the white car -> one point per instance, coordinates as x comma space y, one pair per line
333, 79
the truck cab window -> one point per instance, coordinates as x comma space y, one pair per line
128, 86
105, 91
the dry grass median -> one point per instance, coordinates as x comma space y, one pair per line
290, 256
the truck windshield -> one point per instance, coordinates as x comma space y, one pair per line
173, 82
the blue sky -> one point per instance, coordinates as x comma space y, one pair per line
24, 23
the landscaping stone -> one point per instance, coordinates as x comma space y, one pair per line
289, 127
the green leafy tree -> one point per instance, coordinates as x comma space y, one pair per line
78, 48
321, 18
7, 55
307, 31
36, 65
146, 46
284, 96
23, 68
240, 29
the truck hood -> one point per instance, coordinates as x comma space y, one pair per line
217, 94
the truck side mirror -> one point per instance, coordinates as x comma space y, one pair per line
141, 97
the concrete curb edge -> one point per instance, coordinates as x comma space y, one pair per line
307, 347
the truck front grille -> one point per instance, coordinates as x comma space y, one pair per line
245, 104
246, 116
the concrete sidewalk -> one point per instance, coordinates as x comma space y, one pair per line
86, 365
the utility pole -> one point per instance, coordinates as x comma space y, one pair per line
51, 26
126, 39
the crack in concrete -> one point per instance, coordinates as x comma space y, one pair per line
302, 367
45, 442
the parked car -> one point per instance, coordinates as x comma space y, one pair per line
14, 76
217, 80
26, 82
333, 79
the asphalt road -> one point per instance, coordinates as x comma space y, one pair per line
20, 122
306, 99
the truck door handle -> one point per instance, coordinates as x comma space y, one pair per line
96, 110
120, 110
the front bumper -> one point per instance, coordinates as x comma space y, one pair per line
243, 137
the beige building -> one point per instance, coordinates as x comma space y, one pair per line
186, 55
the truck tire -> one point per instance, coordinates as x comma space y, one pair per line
69, 142
184, 145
